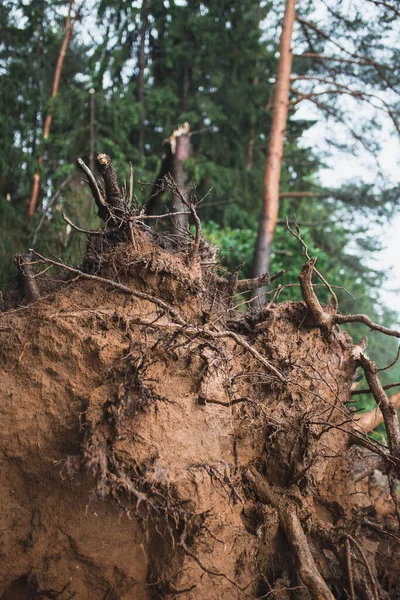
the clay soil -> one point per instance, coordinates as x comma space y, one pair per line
187, 450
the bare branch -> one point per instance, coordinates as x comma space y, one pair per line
321, 318
385, 5
94, 188
87, 231
245, 285
340, 319
301, 195
383, 402
317, 56
389, 386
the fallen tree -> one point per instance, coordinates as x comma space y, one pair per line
157, 441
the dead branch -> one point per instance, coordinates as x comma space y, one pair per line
191, 205
392, 363
389, 386
113, 193
115, 285
143, 217
87, 231
297, 235
94, 188
321, 318
194, 250
340, 319
383, 402
246, 285
304, 223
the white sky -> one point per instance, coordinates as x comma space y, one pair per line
362, 167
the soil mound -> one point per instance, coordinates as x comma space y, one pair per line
156, 442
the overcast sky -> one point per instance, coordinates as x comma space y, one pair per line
362, 167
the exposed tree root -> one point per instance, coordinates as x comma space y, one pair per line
295, 536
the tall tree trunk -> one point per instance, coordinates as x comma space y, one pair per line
142, 65
272, 172
69, 26
182, 149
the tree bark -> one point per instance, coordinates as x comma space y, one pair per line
182, 150
272, 172
69, 26
142, 65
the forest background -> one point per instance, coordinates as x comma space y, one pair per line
134, 71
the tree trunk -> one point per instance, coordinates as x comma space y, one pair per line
142, 65
182, 149
272, 172
69, 26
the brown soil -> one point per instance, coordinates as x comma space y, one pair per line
131, 445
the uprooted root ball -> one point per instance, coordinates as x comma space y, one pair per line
156, 442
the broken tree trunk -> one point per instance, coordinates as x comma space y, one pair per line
173, 164
182, 151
